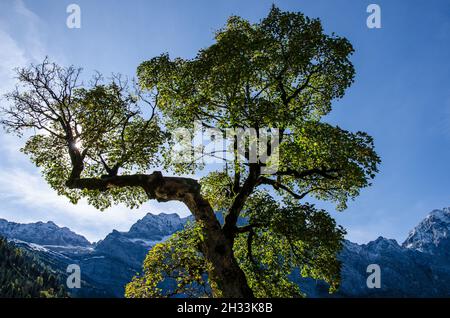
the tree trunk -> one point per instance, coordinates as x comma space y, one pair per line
227, 278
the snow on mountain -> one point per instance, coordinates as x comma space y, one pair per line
132, 246
107, 265
430, 233
404, 272
42, 233
154, 227
149, 243
408, 270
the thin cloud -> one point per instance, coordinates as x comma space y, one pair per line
31, 200
24, 194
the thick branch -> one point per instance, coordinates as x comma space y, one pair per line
155, 185
247, 188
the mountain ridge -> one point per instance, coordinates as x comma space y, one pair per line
418, 267
429, 233
107, 265
49, 233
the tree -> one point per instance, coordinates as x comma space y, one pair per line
22, 275
100, 141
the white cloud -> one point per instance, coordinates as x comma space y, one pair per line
31, 199
24, 195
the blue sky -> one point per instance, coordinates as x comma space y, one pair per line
401, 95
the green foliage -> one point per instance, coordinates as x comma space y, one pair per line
23, 276
348, 161
50, 154
283, 72
250, 76
113, 126
177, 265
287, 237
283, 239
217, 189
104, 122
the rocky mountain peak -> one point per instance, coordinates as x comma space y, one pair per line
156, 226
431, 232
42, 233
383, 244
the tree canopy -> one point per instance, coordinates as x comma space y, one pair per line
101, 140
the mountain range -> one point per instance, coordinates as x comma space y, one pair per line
419, 267
107, 265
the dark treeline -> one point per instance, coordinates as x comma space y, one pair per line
24, 276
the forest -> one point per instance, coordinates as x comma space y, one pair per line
24, 276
